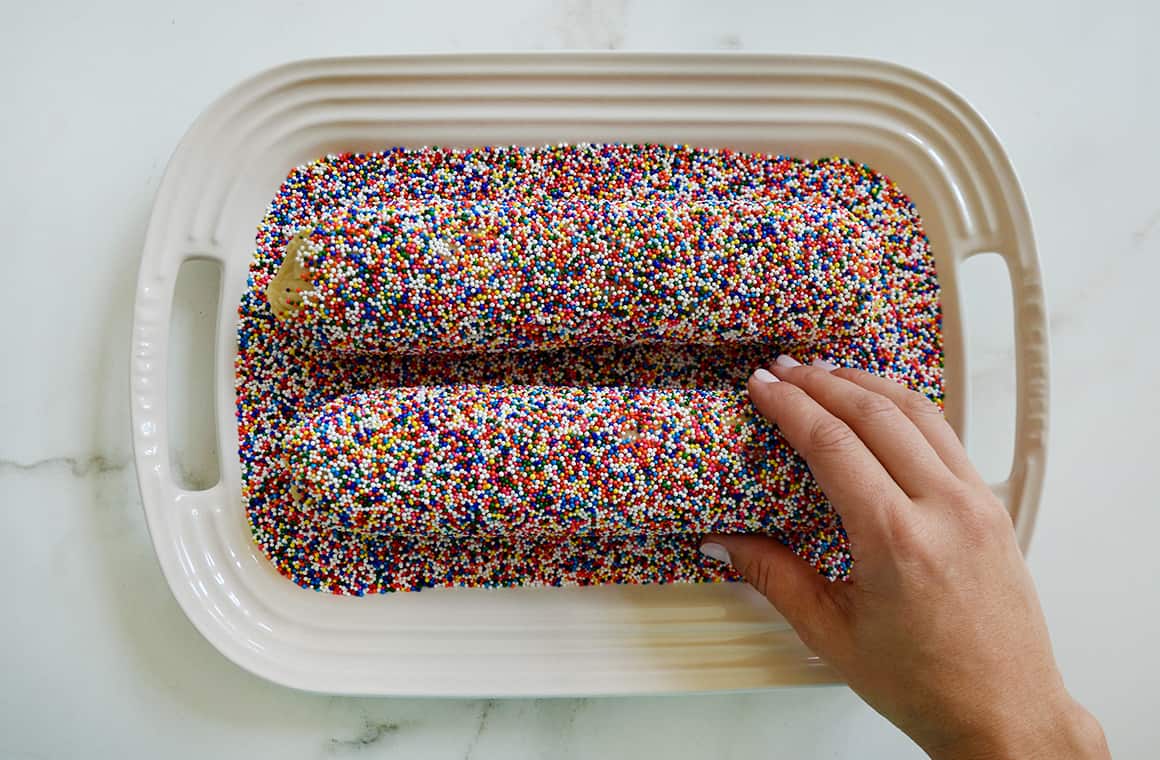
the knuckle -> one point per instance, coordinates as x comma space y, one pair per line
995, 516
959, 496
914, 404
871, 406
830, 435
982, 516
811, 372
902, 530
758, 570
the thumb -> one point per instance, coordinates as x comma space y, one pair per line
794, 588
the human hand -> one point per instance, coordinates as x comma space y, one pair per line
939, 628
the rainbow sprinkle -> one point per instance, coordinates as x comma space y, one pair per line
545, 461
517, 498
538, 274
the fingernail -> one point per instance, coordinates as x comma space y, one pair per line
786, 360
716, 551
762, 375
823, 364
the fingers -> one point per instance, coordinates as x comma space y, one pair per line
927, 418
794, 588
859, 488
887, 432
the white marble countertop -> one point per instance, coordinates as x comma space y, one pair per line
98, 661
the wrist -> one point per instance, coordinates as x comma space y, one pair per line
1063, 731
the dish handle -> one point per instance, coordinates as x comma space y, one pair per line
1020, 491
149, 383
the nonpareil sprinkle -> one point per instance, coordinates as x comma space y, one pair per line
578, 433
439, 275
546, 461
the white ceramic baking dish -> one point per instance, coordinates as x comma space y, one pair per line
575, 641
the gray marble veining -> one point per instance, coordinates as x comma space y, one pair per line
99, 662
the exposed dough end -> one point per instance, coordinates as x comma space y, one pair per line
285, 291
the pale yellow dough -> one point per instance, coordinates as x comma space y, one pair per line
284, 291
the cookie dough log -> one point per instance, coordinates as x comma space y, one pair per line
443, 275
548, 460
